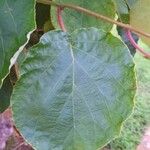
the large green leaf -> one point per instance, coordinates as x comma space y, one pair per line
74, 20
75, 90
16, 20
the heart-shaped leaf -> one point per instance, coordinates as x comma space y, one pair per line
75, 90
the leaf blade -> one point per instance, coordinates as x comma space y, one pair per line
69, 90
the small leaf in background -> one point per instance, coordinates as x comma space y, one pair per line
123, 9
16, 20
139, 17
74, 20
75, 90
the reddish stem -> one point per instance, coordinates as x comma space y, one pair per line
60, 19
141, 50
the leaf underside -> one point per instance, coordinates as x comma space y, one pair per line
75, 90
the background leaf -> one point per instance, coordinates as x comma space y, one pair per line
141, 20
75, 90
74, 20
131, 3
123, 9
16, 20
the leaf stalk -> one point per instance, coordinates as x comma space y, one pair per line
141, 50
60, 19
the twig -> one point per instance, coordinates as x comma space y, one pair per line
141, 50
96, 15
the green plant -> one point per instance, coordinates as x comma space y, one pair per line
76, 85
